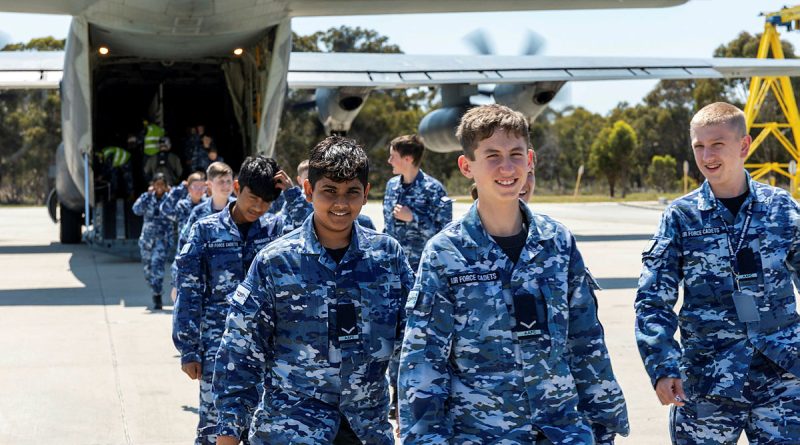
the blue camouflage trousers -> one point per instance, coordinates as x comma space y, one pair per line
154, 253
769, 411
207, 425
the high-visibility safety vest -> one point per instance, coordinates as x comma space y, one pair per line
120, 156
152, 136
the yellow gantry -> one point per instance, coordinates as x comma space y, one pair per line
783, 92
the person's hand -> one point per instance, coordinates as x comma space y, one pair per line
283, 181
670, 391
192, 369
227, 440
185, 183
402, 213
150, 190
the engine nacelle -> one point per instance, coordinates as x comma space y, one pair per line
338, 107
438, 129
529, 99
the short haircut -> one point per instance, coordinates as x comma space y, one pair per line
217, 169
302, 167
720, 113
339, 159
481, 122
409, 145
196, 176
258, 175
159, 177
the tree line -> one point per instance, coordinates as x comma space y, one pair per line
631, 148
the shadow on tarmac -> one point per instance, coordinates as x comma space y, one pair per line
106, 279
619, 283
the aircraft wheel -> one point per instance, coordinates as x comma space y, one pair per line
70, 227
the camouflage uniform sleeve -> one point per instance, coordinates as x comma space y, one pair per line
139, 205
295, 208
240, 363
388, 218
406, 284
656, 320
424, 374
442, 210
793, 256
169, 206
600, 397
183, 235
366, 221
432, 220
188, 312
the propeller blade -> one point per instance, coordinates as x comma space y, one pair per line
533, 44
479, 41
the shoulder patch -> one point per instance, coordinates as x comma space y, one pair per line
446, 199
411, 301
593, 283
185, 249
241, 294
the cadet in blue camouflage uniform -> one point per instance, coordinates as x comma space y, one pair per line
415, 205
212, 263
502, 343
155, 241
177, 207
219, 179
735, 246
319, 316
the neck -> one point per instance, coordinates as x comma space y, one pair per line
332, 240
195, 200
409, 176
218, 202
500, 218
731, 189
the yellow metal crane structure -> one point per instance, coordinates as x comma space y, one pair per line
782, 89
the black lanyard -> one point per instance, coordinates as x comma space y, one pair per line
748, 216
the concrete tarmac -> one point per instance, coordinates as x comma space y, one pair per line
85, 362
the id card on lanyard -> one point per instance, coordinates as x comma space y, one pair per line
746, 308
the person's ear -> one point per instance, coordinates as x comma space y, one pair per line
307, 190
236, 186
746, 141
366, 193
464, 166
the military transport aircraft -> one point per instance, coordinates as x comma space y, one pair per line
231, 62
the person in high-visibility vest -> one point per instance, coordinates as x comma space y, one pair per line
116, 166
152, 135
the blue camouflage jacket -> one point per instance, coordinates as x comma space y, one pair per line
288, 304
211, 264
199, 211
155, 225
691, 247
432, 209
494, 351
294, 209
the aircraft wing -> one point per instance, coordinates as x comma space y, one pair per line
298, 8
30, 70
313, 70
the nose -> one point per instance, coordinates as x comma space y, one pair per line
507, 166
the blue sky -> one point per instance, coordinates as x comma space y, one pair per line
690, 30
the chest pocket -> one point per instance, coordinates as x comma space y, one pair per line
550, 301
483, 341
224, 267
382, 313
702, 254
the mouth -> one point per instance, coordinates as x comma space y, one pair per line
523, 191
712, 167
506, 182
339, 214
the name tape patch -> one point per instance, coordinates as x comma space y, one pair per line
473, 278
702, 232
222, 244
241, 294
185, 248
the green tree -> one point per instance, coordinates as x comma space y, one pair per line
30, 131
613, 153
575, 132
661, 172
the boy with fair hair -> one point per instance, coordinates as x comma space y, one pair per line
317, 317
502, 343
734, 245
